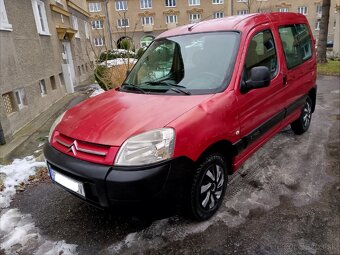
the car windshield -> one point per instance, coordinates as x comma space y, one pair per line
189, 64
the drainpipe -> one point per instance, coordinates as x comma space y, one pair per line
232, 7
108, 22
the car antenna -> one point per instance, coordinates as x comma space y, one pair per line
194, 25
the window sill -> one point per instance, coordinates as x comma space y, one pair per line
44, 34
6, 27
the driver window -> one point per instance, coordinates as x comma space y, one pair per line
261, 52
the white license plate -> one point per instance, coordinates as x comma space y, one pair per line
67, 182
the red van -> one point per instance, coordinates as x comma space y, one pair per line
199, 102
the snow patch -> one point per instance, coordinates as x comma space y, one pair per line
19, 235
97, 91
118, 61
16, 173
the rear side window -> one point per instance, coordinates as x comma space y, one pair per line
297, 44
261, 52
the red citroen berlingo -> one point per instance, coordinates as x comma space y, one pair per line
201, 99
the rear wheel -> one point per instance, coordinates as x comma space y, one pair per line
302, 124
208, 187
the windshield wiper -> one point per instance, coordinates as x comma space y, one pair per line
172, 86
132, 86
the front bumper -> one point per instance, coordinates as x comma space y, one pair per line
108, 185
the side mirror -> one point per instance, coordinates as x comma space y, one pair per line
259, 78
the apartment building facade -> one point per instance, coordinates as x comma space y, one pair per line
142, 20
35, 69
311, 9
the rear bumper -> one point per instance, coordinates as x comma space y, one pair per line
108, 185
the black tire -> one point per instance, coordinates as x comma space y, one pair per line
302, 124
208, 187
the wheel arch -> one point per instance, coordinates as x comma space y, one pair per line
224, 147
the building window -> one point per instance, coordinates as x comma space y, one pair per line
20, 97
40, 17
242, 1
171, 19
283, 9
319, 10
194, 2
99, 41
147, 21
217, 1
53, 83
302, 10
97, 24
8, 99
218, 15
170, 3
61, 79
75, 26
121, 5
123, 23
145, 4
242, 12
194, 17
317, 24
95, 7
42, 87
4, 25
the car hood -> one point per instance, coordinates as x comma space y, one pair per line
114, 116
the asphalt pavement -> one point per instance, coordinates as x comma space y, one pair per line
284, 200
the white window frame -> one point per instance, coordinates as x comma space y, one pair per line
171, 19
98, 41
242, 12
121, 5
145, 4
75, 25
120, 23
194, 2
40, 17
195, 17
4, 24
319, 10
217, 1
218, 15
20, 98
170, 3
302, 10
147, 20
95, 7
283, 9
97, 24
42, 86
242, 1
317, 24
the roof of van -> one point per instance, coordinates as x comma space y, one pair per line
236, 23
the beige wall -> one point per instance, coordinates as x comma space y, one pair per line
28, 57
292, 5
158, 12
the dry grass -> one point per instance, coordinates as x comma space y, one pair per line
118, 74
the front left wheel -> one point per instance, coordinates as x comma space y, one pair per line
208, 187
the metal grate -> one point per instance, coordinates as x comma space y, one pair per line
8, 102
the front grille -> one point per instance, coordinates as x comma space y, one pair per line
102, 154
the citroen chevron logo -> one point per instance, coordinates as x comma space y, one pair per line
74, 147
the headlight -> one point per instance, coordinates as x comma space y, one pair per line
56, 122
147, 148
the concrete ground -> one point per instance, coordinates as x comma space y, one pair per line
284, 200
